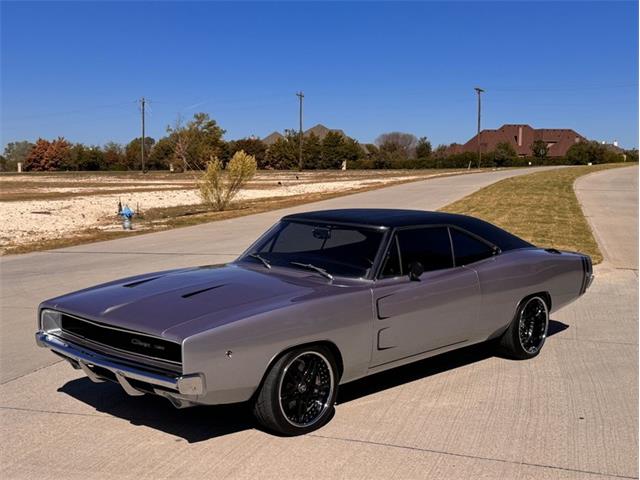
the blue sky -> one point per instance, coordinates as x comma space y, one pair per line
76, 69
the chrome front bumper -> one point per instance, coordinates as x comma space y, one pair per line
181, 390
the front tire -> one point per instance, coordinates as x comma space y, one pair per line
527, 332
299, 392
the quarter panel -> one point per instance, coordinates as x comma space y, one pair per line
506, 279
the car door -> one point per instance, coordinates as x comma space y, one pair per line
437, 310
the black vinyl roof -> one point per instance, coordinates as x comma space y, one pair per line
395, 218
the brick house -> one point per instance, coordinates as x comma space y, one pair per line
521, 137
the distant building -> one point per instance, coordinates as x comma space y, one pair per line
272, 138
521, 137
319, 130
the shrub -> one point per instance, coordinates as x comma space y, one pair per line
218, 188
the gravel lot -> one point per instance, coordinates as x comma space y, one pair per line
36, 208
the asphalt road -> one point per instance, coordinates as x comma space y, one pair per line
570, 413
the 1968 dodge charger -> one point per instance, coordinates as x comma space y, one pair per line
321, 299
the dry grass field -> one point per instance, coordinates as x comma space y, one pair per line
47, 210
540, 207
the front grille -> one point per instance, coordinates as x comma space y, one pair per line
122, 340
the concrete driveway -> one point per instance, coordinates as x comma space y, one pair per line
571, 413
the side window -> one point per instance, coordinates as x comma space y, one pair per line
391, 267
468, 249
429, 246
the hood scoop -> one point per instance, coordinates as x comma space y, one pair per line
140, 282
203, 290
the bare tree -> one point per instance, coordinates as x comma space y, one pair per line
405, 142
180, 135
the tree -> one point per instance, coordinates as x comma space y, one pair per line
423, 148
389, 154
371, 150
332, 150
161, 154
582, 153
503, 153
84, 158
283, 153
217, 189
631, 155
16, 152
196, 142
113, 156
251, 146
48, 155
539, 149
404, 143
133, 153
441, 150
311, 152
352, 150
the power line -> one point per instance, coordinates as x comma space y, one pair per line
71, 112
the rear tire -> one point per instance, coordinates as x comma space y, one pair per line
527, 332
299, 392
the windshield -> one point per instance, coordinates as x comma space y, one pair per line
337, 249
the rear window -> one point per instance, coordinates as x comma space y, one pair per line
468, 249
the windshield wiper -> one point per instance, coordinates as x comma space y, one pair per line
264, 261
310, 266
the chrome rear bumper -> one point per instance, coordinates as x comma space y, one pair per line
171, 387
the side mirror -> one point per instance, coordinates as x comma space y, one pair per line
415, 270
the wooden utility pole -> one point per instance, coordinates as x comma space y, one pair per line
300, 95
479, 91
142, 104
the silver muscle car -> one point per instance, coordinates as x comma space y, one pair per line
321, 299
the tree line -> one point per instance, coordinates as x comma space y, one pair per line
191, 145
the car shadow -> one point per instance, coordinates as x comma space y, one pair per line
427, 368
202, 423
193, 424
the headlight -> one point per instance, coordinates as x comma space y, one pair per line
50, 321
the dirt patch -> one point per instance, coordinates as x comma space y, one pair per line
41, 211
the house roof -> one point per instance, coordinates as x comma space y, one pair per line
321, 131
521, 137
272, 138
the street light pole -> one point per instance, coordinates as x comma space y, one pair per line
479, 91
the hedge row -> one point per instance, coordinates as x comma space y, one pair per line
464, 159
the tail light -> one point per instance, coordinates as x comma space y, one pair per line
587, 269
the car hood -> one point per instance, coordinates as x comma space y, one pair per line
164, 303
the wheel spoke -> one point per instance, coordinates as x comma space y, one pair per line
306, 389
532, 325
